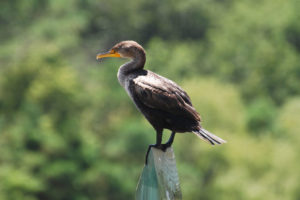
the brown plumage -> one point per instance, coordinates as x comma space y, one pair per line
164, 104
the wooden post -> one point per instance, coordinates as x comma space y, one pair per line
159, 179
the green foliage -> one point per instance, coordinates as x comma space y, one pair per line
250, 47
261, 115
289, 119
69, 131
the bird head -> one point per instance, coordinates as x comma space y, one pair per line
125, 49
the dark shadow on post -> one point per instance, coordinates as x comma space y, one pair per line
159, 179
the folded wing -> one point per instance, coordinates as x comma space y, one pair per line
159, 93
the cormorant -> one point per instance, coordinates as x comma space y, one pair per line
164, 104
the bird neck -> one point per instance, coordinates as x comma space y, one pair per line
135, 64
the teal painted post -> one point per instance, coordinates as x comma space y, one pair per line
159, 179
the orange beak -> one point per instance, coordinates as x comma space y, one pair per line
111, 53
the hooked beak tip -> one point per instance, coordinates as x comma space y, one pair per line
108, 54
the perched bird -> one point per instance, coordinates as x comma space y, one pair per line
164, 104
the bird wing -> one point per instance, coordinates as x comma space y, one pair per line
160, 93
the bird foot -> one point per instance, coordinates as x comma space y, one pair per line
162, 147
149, 147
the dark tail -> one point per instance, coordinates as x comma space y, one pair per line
209, 137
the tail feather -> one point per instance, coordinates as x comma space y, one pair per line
209, 137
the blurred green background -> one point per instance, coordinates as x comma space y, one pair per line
68, 131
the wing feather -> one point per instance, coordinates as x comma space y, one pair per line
157, 92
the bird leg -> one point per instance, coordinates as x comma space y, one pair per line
169, 143
157, 145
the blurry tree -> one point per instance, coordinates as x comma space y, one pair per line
261, 115
249, 46
69, 131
